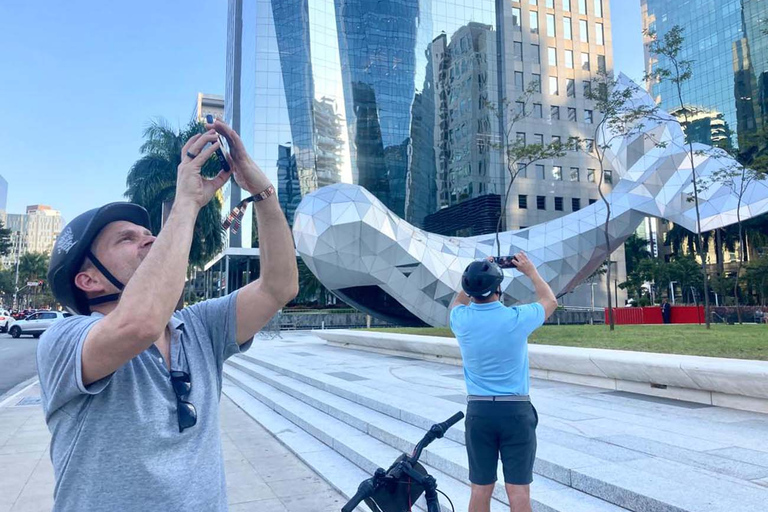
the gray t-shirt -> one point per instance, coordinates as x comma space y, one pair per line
116, 443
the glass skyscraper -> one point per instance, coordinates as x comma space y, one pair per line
389, 94
727, 95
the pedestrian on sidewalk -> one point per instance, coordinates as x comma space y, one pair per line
130, 387
500, 417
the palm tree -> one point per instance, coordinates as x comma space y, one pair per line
152, 181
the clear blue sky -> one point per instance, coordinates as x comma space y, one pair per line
81, 80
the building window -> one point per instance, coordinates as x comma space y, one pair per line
521, 171
554, 113
569, 59
540, 172
589, 145
520, 138
538, 138
536, 54
572, 114
608, 176
587, 85
550, 4
537, 110
591, 176
558, 204
574, 174
599, 8
516, 18
585, 61
519, 79
533, 2
570, 87
557, 173
567, 29
553, 90
567, 5
588, 116
534, 18
536, 82
592, 201
517, 50
522, 202
541, 202
551, 25
520, 108
599, 34
575, 204
582, 6
552, 56
601, 63
583, 31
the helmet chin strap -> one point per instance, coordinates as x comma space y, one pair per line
112, 279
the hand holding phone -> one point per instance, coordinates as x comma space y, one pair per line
505, 262
222, 148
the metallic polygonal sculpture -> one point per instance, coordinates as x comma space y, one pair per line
381, 264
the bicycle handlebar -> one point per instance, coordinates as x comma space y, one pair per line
365, 490
444, 426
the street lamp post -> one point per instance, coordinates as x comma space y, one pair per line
18, 259
672, 291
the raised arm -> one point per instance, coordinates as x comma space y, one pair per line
278, 282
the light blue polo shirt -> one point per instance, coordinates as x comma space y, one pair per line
493, 340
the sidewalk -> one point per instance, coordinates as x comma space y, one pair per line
288, 485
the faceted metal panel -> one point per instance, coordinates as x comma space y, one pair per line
349, 239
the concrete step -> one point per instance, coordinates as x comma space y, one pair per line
445, 455
638, 480
364, 451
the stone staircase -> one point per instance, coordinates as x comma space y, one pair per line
344, 430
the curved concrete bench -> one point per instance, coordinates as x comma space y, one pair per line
736, 383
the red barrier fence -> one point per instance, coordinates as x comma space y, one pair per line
652, 315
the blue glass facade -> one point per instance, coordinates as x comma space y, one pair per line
725, 39
388, 94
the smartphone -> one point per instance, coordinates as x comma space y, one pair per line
505, 262
222, 147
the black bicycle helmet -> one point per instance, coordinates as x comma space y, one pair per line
481, 279
74, 244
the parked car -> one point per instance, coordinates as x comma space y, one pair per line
36, 323
5, 320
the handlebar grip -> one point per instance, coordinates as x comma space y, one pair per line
365, 490
444, 426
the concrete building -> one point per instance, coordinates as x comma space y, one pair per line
43, 227
208, 104
559, 46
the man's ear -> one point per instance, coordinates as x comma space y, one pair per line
88, 283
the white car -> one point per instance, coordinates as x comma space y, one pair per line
5, 320
36, 323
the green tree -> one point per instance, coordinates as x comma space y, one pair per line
756, 273
678, 71
636, 250
619, 119
517, 154
152, 181
5, 240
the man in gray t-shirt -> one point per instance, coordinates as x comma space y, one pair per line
131, 388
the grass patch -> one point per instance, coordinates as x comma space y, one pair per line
734, 341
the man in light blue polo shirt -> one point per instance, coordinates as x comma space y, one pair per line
500, 418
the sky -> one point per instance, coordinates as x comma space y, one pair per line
81, 80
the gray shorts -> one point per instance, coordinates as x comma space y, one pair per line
507, 429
